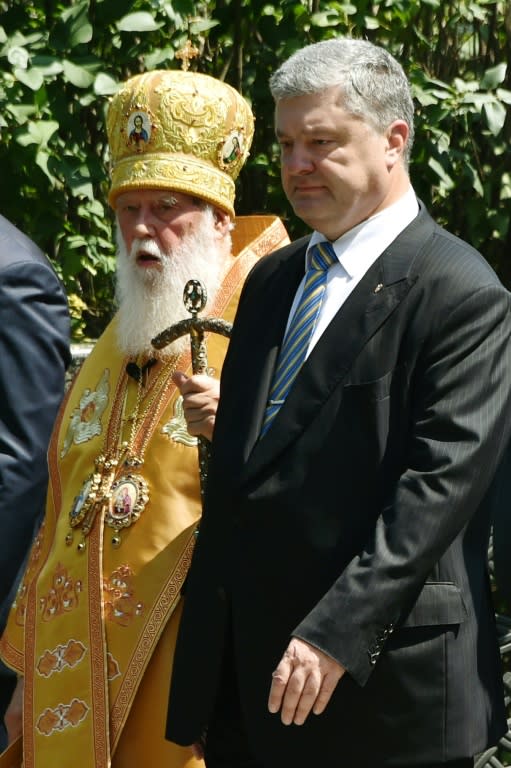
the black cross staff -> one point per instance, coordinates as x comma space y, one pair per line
194, 298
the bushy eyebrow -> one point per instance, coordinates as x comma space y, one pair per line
167, 200
309, 130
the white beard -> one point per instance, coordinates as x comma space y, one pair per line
151, 300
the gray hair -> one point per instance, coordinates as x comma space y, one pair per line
374, 85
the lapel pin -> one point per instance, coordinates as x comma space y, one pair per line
378, 288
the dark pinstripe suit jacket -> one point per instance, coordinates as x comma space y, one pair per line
34, 353
359, 522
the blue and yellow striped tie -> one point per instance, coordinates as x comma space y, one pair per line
296, 342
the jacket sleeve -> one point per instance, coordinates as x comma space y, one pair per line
459, 424
34, 348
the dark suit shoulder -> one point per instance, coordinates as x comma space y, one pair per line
455, 250
426, 250
16, 247
446, 253
273, 261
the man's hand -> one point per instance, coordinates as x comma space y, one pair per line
198, 750
200, 402
199, 747
14, 714
303, 682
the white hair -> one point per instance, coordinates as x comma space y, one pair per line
151, 300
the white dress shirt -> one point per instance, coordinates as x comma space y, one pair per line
356, 251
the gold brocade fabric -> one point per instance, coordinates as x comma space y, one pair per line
93, 631
156, 117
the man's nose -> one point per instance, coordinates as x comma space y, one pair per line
145, 224
297, 161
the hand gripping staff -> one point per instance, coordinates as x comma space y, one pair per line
194, 299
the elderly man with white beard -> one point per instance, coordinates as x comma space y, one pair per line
92, 631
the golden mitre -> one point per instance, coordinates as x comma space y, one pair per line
184, 131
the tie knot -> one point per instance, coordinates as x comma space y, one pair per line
323, 256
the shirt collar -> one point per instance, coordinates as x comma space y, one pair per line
358, 248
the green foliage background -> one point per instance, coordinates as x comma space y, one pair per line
60, 62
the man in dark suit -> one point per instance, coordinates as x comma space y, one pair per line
338, 609
34, 354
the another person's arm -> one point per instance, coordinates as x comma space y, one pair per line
34, 346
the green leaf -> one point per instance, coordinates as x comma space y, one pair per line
505, 188
464, 86
87, 99
76, 175
32, 78
41, 160
495, 114
77, 76
82, 188
440, 94
94, 207
503, 95
196, 27
138, 22
156, 58
478, 99
443, 141
371, 22
104, 85
38, 132
472, 174
179, 15
493, 77
324, 19
441, 173
435, 81
76, 21
21, 112
478, 186
76, 241
18, 57
478, 11
48, 66
25, 140
424, 97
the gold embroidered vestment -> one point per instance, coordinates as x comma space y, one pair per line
93, 630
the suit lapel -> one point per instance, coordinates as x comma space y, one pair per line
377, 295
263, 342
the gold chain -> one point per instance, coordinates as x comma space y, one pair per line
117, 454
139, 419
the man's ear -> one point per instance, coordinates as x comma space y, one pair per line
397, 138
222, 221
